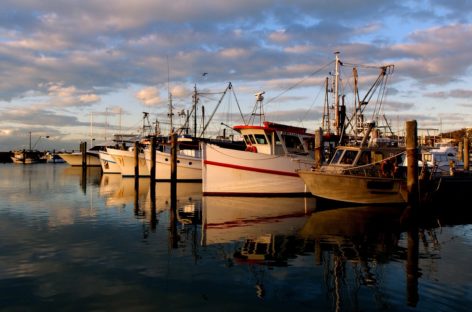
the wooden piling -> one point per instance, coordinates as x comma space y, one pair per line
173, 158
318, 147
83, 150
136, 159
466, 153
153, 160
412, 163
174, 237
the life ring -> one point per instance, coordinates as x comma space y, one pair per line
386, 168
251, 148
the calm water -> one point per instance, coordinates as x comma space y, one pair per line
90, 242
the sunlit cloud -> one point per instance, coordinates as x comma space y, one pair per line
149, 96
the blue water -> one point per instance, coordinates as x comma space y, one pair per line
74, 241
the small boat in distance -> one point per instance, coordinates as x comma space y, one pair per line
28, 156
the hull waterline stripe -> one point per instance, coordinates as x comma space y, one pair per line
268, 171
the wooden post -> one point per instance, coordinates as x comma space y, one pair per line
466, 153
412, 163
173, 158
83, 149
173, 166
460, 149
318, 147
136, 159
153, 160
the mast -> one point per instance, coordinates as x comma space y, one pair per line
91, 129
195, 102
326, 120
336, 94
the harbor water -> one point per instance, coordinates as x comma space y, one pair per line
74, 240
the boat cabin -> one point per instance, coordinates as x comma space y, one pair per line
439, 159
346, 157
276, 139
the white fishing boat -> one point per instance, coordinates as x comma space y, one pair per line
126, 161
108, 163
441, 159
189, 161
188, 148
92, 158
274, 152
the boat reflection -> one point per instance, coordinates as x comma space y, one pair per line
353, 243
229, 219
119, 191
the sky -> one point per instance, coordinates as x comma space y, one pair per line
84, 70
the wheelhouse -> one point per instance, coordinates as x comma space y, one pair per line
276, 139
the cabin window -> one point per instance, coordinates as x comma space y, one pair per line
348, 157
365, 158
291, 141
249, 139
260, 138
277, 139
337, 156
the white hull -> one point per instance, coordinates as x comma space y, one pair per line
189, 165
108, 163
75, 159
235, 173
126, 162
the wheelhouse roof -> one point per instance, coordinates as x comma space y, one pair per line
271, 127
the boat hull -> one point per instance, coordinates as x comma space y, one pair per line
126, 161
355, 189
189, 165
228, 172
75, 159
108, 163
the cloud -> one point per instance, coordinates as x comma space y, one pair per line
149, 96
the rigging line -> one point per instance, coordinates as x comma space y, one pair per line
298, 83
313, 103
365, 66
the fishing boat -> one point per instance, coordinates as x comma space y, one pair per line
188, 146
189, 163
28, 156
440, 160
369, 173
267, 166
75, 158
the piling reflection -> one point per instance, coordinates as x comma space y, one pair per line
87, 176
353, 243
